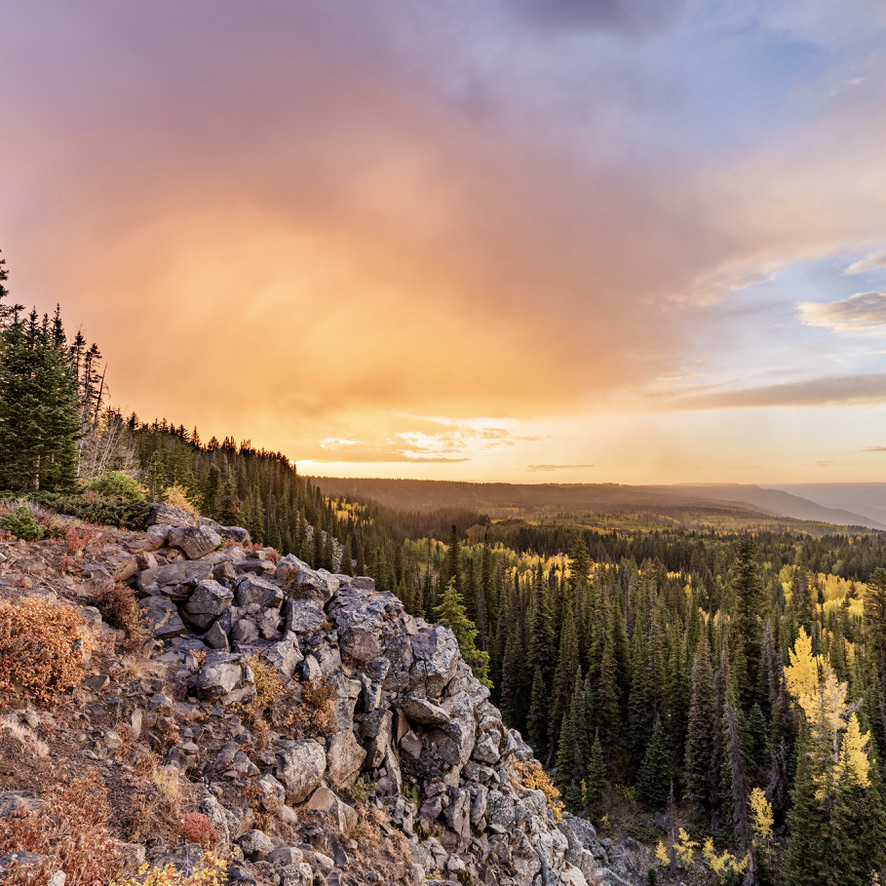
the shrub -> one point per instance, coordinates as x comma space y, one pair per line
117, 604
70, 829
277, 702
107, 510
21, 523
78, 539
195, 827
41, 649
117, 483
532, 776
177, 496
210, 872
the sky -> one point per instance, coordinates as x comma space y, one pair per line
525, 241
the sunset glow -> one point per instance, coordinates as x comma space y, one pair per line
530, 241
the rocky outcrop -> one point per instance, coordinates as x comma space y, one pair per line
411, 741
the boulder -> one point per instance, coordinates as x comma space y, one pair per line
345, 757
163, 616
235, 533
304, 616
209, 600
156, 580
377, 731
284, 655
300, 769
419, 709
221, 674
255, 845
195, 541
251, 589
295, 572
166, 515
436, 657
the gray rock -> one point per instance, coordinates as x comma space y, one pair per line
419, 709
284, 655
217, 638
195, 541
301, 769
377, 731
183, 572
293, 571
286, 856
411, 745
345, 757
296, 875
163, 616
209, 600
224, 823
486, 750
436, 658
168, 516
253, 589
221, 674
236, 533
304, 616
255, 845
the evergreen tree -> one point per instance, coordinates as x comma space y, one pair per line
40, 423
537, 721
451, 612
596, 788
654, 779
700, 772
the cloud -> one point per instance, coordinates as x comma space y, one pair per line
874, 261
829, 391
864, 310
634, 18
874, 449
534, 468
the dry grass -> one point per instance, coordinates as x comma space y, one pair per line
71, 830
26, 736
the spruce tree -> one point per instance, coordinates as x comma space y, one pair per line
537, 721
700, 770
654, 779
451, 612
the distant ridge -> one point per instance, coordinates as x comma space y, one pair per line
497, 498
783, 504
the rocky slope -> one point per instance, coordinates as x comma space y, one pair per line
327, 736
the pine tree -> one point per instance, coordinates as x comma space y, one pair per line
700, 772
451, 612
40, 423
654, 779
537, 721
596, 788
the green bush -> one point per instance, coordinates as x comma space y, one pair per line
116, 483
21, 524
107, 510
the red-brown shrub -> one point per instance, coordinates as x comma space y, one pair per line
195, 827
71, 830
41, 649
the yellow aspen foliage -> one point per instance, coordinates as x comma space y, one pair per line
684, 848
801, 675
837, 744
662, 854
854, 762
722, 865
761, 815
